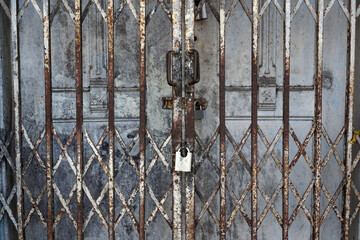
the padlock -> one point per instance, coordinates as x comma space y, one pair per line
183, 160
199, 114
202, 15
198, 111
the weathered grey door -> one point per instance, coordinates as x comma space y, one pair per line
100, 97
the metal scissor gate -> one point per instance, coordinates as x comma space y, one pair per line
112, 102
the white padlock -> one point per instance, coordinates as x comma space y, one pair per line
183, 164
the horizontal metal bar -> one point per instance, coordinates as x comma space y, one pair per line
87, 89
296, 88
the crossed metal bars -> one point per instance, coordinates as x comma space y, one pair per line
318, 131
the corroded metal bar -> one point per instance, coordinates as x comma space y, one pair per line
48, 121
349, 114
17, 118
79, 119
254, 126
286, 115
176, 115
111, 115
190, 58
142, 131
222, 120
318, 118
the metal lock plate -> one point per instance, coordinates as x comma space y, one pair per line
183, 164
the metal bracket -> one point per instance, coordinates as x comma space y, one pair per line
267, 94
98, 95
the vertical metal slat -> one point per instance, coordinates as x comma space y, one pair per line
142, 132
176, 115
349, 118
254, 98
79, 119
286, 116
318, 118
17, 118
110, 23
48, 120
189, 119
222, 120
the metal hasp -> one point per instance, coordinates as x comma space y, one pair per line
199, 103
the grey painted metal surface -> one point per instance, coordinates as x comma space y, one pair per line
222, 205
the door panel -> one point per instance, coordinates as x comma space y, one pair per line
94, 146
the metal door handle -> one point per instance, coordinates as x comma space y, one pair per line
196, 68
169, 69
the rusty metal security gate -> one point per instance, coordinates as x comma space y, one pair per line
92, 150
